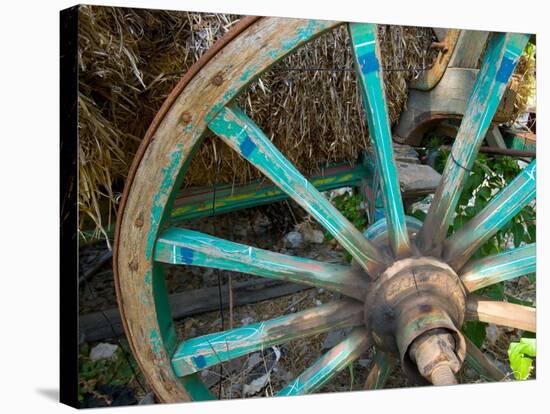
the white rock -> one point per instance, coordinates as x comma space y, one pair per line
103, 351
294, 239
340, 191
255, 386
247, 320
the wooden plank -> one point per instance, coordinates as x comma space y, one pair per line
100, 325
501, 313
470, 45
417, 179
198, 202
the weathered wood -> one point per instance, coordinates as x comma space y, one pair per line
238, 131
366, 53
198, 202
417, 179
188, 247
329, 364
469, 47
157, 173
508, 265
100, 325
428, 80
500, 59
501, 313
447, 100
425, 109
509, 201
198, 353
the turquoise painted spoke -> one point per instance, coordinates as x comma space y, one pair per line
504, 266
502, 208
182, 246
366, 50
329, 364
479, 362
238, 131
501, 57
380, 371
205, 351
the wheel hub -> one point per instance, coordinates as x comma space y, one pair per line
414, 310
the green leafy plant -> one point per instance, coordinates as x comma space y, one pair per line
521, 356
350, 205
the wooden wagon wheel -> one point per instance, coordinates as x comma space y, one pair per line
411, 288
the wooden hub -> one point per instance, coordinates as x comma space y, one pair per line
411, 297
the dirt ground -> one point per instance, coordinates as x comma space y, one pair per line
264, 373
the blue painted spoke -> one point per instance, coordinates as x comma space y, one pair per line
502, 208
329, 364
367, 66
238, 131
182, 246
501, 57
205, 351
504, 266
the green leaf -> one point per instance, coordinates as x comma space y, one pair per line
519, 231
475, 331
520, 355
495, 292
474, 180
470, 211
484, 193
518, 301
532, 231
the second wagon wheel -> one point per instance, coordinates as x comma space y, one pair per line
411, 287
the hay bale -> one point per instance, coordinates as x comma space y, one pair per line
130, 59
